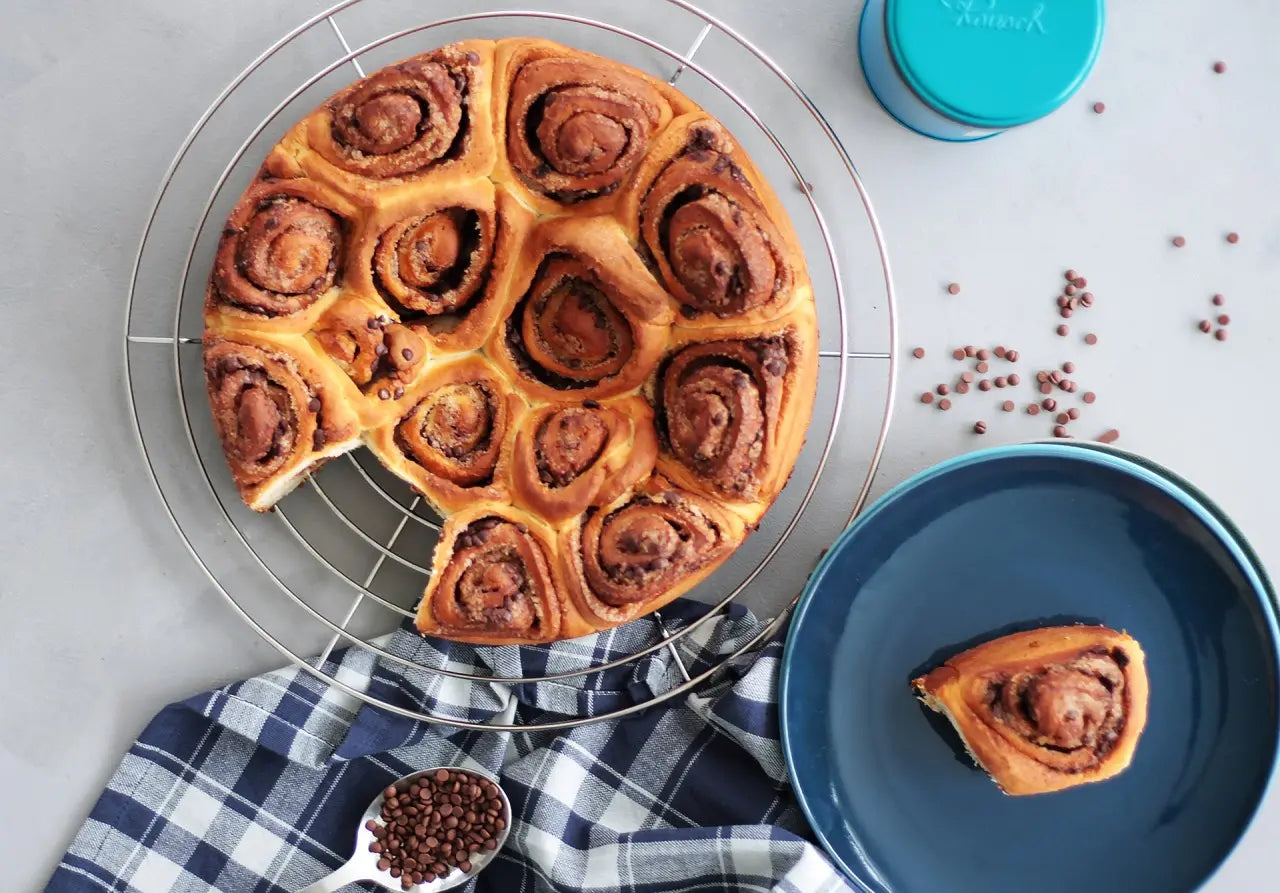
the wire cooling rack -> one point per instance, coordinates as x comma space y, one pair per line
345, 558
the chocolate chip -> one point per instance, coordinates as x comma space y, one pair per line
1007, 406
962, 387
1073, 413
1086, 299
1223, 319
1068, 367
944, 404
1179, 241
982, 367
1219, 300
1046, 388
1069, 290
1033, 409
1088, 396
979, 427
1063, 329
953, 288
1109, 436
943, 390
1064, 301
918, 353
1233, 238
380, 350
1011, 356
1014, 379
1001, 381
926, 397
970, 350
1049, 404
1059, 431
373, 322
314, 404
1219, 67
1099, 108
958, 353
984, 354
398, 393
966, 376
407, 354
384, 394
1062, 418
1091, 339
1066, 312
1221, 334
1000, 351
984, 384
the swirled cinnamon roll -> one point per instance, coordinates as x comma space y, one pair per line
573, 125
635, 556
715, 233
720, 405
450, 444
569, 456
282, 250
427, 115
1045, 709
276, 415
583, 324
493, 580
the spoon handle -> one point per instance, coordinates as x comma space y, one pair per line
348, 874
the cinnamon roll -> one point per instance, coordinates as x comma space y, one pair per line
493, 580
583, 324
1045, 709
380, 356
636, 555
276, 417
720, 407
451, 444
569, 456
715, 233
282, 250
574, 125
425, 116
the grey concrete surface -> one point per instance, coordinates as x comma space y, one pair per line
105, 617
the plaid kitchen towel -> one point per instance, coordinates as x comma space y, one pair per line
259, 786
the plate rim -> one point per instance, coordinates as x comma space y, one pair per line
1146, 471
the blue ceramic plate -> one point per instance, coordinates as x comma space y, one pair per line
1010, 539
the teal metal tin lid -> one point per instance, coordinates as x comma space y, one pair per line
994, 63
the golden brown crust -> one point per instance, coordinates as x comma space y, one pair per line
570, 456
571, 127
452, 253
634, 556
1045, 709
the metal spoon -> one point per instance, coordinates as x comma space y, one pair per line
363, 865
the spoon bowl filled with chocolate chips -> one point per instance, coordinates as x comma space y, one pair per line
431, 830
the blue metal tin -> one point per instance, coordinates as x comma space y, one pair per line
965, 70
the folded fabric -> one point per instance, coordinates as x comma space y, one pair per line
259, 786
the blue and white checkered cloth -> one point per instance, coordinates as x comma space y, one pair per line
259, 786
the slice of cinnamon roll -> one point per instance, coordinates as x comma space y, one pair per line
493, 580
1045, 709
277, 414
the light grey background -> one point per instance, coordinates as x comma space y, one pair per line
106, 617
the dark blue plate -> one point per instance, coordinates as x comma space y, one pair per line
1010, 539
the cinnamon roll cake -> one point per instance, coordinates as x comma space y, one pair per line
550, 293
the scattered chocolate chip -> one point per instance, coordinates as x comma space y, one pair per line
1011, 356
1073, 413
1042, 376
1069, 275
1233, 238
958, 353
1068, 367
314, 404
384, 394
1014, 379
1223, 319
407, 354
1007, 406
1062, 418
1056, 377
943, 390
1059, 431
1099, 108
999, 351
982, 367
918, 353
966, 376
926, 397
1066, 312
970, 351
1219, 67
1046, 388
984, 354
1088, 396
1049, 404
1109, 436
1069, 290
1179, 241
979, 427
398, 393
944, 404
1086, 299
1063, 329
1064, 301
984, 385
962, 387
953, 288
1001, 381
1221, 334
1219, 300
1091, 339
372, 323
1033, 409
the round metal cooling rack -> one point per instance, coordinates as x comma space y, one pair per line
352, 503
